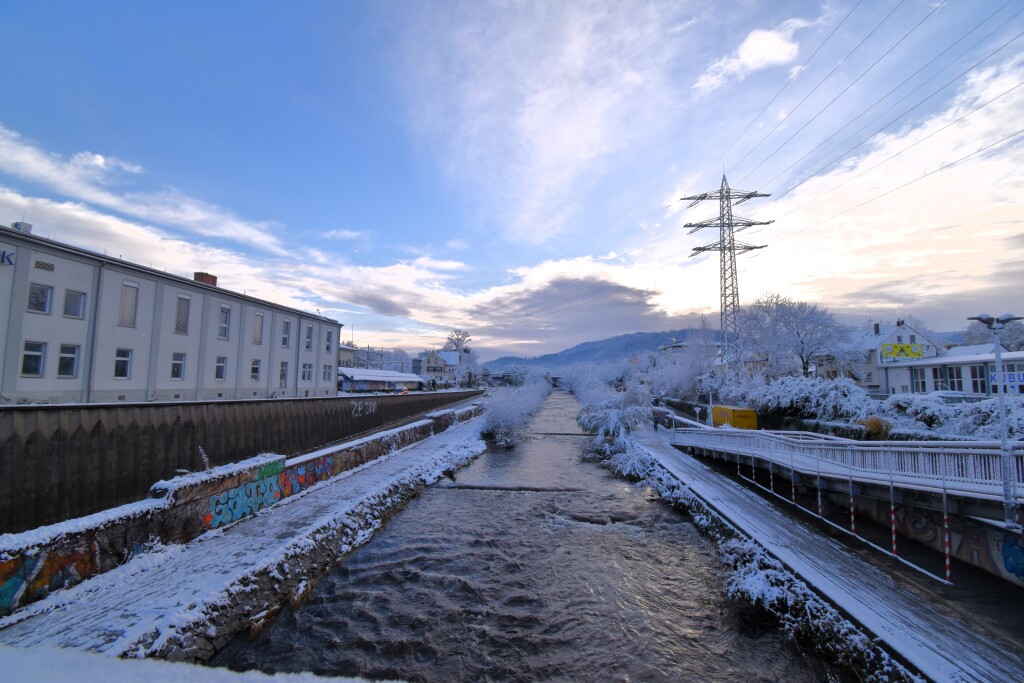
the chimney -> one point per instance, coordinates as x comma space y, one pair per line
21, 226
205, 278
876, 329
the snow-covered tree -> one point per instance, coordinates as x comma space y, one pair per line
1011, 336
457, 340
788, 336
612, 420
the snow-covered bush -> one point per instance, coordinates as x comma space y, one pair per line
810, 397
509, 409
612, 420
929, 411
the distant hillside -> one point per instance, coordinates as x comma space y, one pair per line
617, 348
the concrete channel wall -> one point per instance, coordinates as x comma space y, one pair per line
60, 462
36, 562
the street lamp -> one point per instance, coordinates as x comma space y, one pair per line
997, 324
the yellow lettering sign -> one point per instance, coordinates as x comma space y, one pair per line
902, 351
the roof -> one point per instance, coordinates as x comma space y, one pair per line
978, 358
374, 375
449, 357
37, 241
972, 350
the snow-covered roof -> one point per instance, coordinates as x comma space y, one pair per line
374, 375
979, 358
449, 357
972, 350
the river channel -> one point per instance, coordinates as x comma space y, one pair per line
530, 565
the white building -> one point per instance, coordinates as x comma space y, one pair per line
83, 327
900, 360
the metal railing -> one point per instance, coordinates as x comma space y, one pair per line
966, 468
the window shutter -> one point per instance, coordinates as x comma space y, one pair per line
181, 320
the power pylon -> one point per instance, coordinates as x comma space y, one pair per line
728, 225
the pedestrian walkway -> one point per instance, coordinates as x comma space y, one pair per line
164, 590
943, 645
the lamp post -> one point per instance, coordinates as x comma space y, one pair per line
997, 324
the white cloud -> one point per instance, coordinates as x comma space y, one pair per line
526, 123
89, 177
341, 234
760, 50
457, 244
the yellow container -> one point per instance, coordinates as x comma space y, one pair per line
740, 418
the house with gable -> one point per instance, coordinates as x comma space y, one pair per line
439, 368
900, 360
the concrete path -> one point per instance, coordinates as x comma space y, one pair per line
941, 644
159, 591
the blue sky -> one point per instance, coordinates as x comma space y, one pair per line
514, 168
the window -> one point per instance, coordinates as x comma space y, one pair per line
307, 372
123, 364
956, 379
309, 337
979, 379
177, 366
283, 379
913, 338
286, 333
327, 344
899, 338
181, 315
917, 378
74, 304
254, 370
67, 363
327, 373
223, 322
39, 297
257, 329
32, 359
129, 303
220, 369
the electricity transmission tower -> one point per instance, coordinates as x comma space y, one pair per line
728, 225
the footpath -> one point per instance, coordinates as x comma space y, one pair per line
162, 601
942, 644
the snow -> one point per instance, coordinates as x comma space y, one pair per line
171, 588
13, 544
54, 664
943, 645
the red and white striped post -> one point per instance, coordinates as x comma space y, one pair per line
853, 518
945, 533
892, 519
792, 478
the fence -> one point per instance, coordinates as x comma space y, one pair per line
58, 462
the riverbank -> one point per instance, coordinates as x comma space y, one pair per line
184, 602
855, 613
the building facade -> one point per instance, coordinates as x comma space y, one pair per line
81, 327
900, 360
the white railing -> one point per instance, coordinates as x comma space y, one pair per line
966, 468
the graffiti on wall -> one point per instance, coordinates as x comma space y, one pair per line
274, 484
233, 504
30, 576
993, 550
300, 477
360, 408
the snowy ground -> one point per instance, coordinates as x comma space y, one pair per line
939, 643
166, 589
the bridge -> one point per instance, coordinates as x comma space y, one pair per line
955, 477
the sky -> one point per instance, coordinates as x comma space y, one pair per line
515, 169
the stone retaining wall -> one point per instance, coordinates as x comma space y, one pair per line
36, 562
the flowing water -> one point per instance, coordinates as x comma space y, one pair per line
530, 565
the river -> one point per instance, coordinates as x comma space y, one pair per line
530, 565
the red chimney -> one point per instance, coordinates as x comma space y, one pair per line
205, 278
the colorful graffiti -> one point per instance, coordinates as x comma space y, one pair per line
233, 504
28, 577
299, 477
270, 469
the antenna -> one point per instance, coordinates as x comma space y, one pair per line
728, 247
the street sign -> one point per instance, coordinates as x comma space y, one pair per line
1006, 377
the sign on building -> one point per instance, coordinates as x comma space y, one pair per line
1008, 378
902, 350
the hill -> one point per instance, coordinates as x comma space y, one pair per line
617, 348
